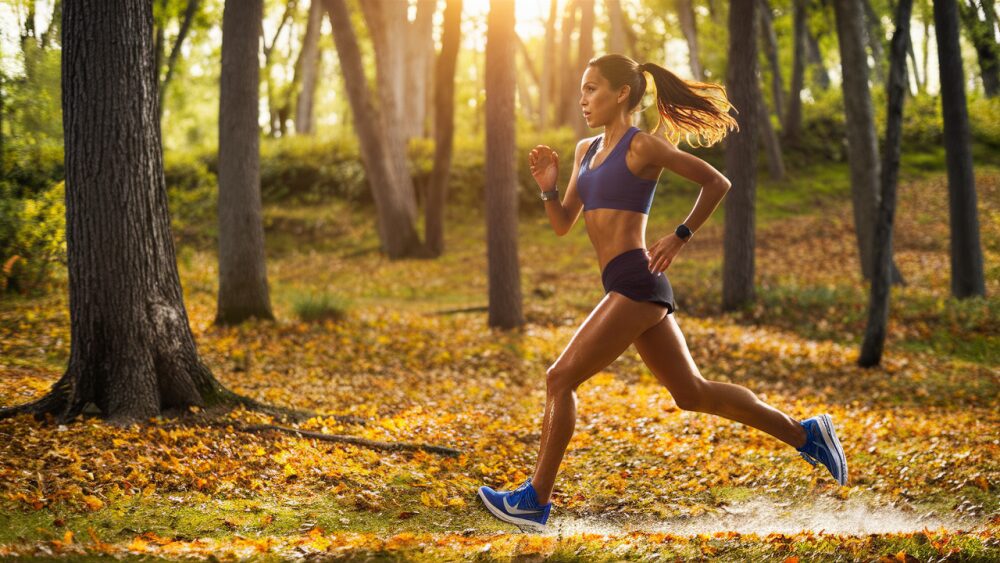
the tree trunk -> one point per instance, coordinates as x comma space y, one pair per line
966, 252
775, 160
820, 76
547, 90
862, 144
925, 16
741, 159
981, 34
308, 65
501, 176
771, 51
874, 36
917, 78
175, 51
132, 353
393, 203
686, 16
567, 70
276, 101
616, 33
444, 126
52, 32
878, 302
586, 52
243, 291
419, 50
792, 126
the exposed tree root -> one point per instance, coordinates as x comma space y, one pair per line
374, 444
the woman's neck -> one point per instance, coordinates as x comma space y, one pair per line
613, 132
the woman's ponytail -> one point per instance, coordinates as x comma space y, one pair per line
696, 111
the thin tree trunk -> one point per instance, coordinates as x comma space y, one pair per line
925, 16
243, 291
393, 204
686, 16
874, 36
966, 251
308, 65
898, 84
567, 81
546, 90
132, 353
981, 34
53, 30
276, 102
420, 51
862, 145
444, 126
792, 126
586, 52
771, 50
820, 76
775, 160
175, 51
741, 159
917, 78
616, 34
501, 177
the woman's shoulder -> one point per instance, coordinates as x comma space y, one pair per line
649, 146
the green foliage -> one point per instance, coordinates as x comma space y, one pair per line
32, 237
319, 306
307, 170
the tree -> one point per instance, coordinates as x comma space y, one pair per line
567, 70
686, 17
420, 52
981, 33
548, 79
771, 51
444, 126
874, 36
792, 125
878, 302
307, 67
277, 98
243, 291
741, 158
966, 252
190, 10
501, 176
820, 75
132, 354
586, 52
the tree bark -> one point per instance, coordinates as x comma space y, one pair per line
567, 70
898, 84
966, 251
775, 160
393, 202
277, 101
586, 52
874, 36
501, 177
981, 34
308, 65
132, 354
420, 51
444, 126
792, 126
771, 51
686, 16
741, 159
862, 144
243, 291
175, 51
547, 90
820, 76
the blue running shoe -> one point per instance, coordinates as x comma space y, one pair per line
519, 507
822, 446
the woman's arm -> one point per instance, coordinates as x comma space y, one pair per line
656, 151
544, 164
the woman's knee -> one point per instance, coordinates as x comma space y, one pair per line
559, 379
696, 397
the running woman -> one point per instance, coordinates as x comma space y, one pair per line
613, 181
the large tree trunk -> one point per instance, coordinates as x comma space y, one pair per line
444, 126
586, 52
394, 201
189, 13
132, 354
547, 90
878, 302
862, 145
501, 177
771, 51
741, 159
420, 52
686, 16
983, 37
243, 291
308, 67
792, 125
966, 252
565, 102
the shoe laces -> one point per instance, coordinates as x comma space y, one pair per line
812, 461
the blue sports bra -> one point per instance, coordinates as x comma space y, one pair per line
612, 185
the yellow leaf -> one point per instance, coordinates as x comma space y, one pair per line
93, 502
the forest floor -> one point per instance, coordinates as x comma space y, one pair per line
411, 357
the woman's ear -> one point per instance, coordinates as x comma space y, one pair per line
624, 93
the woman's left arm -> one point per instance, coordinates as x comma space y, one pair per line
656, 151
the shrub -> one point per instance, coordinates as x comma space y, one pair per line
32, 238
311, 307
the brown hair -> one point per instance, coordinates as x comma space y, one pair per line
696, 111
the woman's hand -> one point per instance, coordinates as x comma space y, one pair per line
544, 163
663, 252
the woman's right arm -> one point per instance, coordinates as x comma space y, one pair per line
562, 214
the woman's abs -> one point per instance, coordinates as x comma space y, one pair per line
614, 231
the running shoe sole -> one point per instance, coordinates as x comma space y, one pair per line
508, 518
833, 444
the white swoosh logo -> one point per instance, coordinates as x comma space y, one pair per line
516, 510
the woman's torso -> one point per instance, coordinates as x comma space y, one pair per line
613, 231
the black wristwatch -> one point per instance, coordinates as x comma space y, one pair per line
550, 195
683, 232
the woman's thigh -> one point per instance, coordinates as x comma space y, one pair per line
665, 352
607, 332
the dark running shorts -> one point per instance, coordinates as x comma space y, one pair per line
628, 274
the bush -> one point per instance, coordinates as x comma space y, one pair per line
32, 238
311, 307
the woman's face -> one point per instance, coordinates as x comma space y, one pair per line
600, 103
